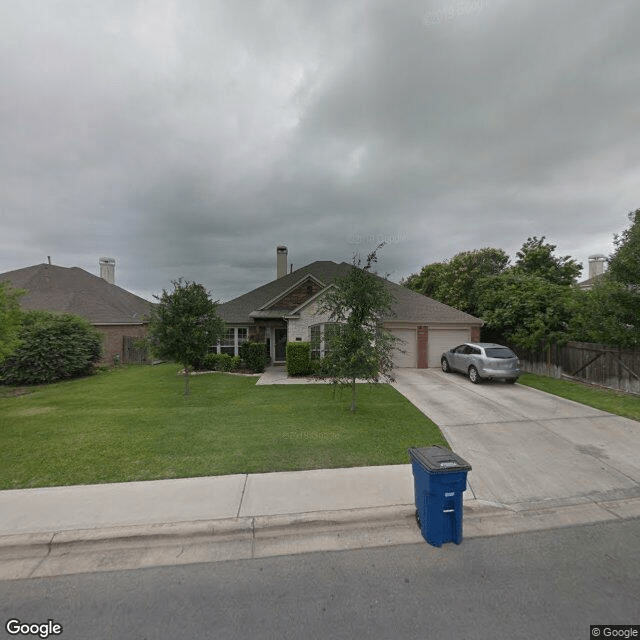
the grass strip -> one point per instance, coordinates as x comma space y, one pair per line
615, 402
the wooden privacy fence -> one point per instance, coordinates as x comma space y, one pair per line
132, 353
598, 364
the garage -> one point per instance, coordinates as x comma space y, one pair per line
441, 340
408, 344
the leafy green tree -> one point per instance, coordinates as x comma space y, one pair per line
430, 281
457, 281
359, 302
624, 263
10, 318
522, 303
183, 325
607, 314
525, 309
536, 258
52, 347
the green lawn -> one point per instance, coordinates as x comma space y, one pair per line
615, 402
133, 423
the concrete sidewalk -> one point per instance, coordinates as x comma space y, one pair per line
63, 530
538, 463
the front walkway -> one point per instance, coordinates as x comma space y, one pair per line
277, 374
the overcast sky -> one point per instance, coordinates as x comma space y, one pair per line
189, 138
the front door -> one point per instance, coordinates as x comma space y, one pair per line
281, 345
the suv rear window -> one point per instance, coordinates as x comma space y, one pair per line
501, 352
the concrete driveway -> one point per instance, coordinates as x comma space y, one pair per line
526, 446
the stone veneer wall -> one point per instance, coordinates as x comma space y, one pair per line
299, 327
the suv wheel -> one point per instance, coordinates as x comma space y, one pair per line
445, 365
474, 376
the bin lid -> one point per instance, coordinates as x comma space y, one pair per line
438, 459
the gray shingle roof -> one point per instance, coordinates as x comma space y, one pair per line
409, 306
74, 290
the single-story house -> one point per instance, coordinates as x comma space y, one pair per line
119, 315
286, 310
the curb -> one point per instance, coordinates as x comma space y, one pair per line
47, 554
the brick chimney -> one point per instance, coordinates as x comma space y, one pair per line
108, 270
281, 262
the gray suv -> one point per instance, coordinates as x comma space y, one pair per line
480, 360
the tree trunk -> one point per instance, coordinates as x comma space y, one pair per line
186, 381
353, 395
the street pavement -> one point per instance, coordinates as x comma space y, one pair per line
538, 462
539, 585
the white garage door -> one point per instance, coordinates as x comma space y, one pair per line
441, 340
407, 342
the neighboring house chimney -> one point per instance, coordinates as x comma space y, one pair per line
596, 265
281, 262
108, 270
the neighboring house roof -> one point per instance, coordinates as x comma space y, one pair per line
74, 290
585, 285
409, 306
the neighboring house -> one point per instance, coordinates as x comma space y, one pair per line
119, 315
596, 269
285, 310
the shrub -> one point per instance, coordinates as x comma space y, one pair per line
225, 362
254, 356
219, 362
52, 347
298, 358
318, 367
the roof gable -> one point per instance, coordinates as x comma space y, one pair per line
297, 294
237, 310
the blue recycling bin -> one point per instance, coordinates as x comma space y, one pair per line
440, 478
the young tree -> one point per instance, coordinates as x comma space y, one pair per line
184, 324
10, 317
358, 301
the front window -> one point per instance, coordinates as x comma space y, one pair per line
316, 341
228, 342
321, 335
231, 340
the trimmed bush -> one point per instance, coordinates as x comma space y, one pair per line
225, 362
220, 362
208, 363
298, 358
254, 356
52, 347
